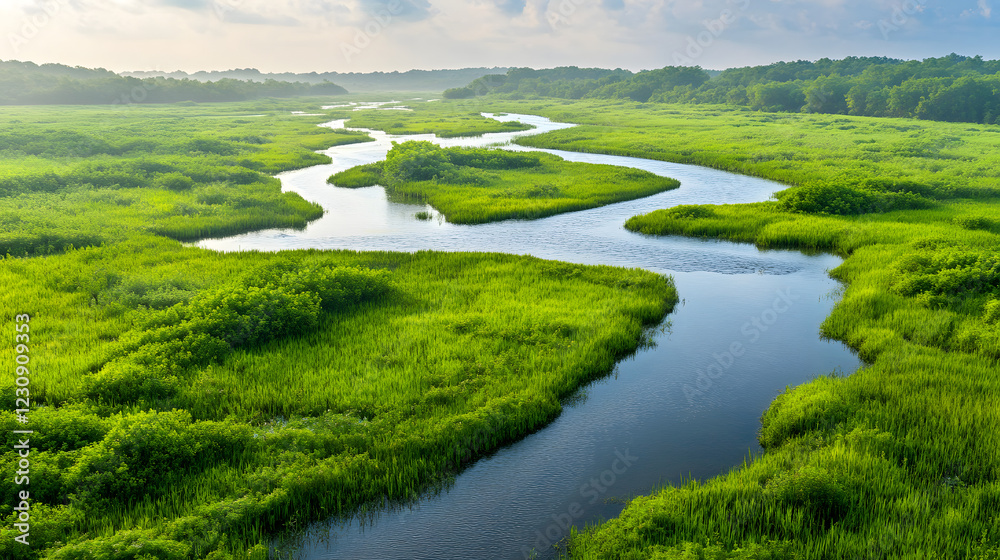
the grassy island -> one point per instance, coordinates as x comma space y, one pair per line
475, 185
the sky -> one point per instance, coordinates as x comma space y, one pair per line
387, 35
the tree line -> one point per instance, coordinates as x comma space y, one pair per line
26, 83
953, 88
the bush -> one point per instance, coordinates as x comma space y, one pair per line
812, 488
991, 313
174, 182
134, 456
58, 429
846, 200
689, 212
266, 304
249, 316
145, 451
976, 223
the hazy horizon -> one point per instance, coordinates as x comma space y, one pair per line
398, 35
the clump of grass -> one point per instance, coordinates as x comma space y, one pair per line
423, 215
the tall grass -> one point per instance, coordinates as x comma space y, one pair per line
446, 120
473, 186
78, 176
194, 403
899, 460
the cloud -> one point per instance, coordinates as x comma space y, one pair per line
406, 10
186, 4
511, 7
253, 18
636, 34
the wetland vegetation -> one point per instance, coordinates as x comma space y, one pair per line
189, 404
476, 185
84, 176
899, 459
445, 120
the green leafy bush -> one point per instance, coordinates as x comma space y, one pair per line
811, 488
991, 312
145, 450
174, 181
939, 274
846, 200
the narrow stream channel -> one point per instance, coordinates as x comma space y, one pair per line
689, 407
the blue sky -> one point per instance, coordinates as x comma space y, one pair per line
369, 35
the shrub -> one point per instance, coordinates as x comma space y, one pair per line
174, 182
689, 211
975, 222
135, 454
991, 313
847, 200
812, 488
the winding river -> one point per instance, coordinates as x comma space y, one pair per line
688, 407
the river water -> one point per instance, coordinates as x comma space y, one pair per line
689, 407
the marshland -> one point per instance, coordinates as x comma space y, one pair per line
224, 398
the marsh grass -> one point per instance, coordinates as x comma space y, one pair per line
332, 404
189, 404
899, 460
79, 176
472, 186
444, 119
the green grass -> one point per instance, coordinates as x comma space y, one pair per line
195, 403
445, 119
87, 175
899, 460
472, 186
188, 404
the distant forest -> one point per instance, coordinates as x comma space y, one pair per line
26, 83
952, 88
411, 80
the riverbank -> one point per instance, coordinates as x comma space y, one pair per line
664, 384
190, 403
885, 462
